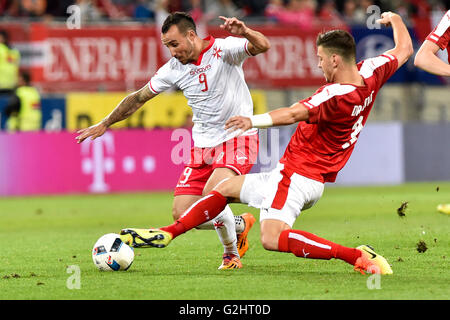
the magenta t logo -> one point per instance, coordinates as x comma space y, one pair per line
97, 160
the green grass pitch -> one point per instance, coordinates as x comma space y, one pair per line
41, 237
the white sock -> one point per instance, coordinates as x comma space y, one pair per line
226, 230
209, 225
225, 226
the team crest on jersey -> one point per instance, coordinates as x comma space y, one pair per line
216, 53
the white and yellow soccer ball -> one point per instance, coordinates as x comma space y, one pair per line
111, 254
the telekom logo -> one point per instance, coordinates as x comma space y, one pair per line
97, 159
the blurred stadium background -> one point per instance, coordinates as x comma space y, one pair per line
83, 59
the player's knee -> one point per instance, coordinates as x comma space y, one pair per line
224, 187
176, 212
268, 241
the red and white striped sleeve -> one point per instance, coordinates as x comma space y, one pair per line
236, 49
441, 33
382, 67
323, 99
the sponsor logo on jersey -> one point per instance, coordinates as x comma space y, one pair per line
200, 70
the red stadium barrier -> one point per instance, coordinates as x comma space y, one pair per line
119, 58
96, 58
291, 61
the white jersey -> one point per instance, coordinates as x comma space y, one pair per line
214, 86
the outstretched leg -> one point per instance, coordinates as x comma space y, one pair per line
276, 235
208, 207
224, 223
203, 210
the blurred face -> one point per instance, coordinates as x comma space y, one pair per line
181, 46
349, 7
21, 81
327, 63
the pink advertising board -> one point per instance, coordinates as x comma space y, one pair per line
119, 161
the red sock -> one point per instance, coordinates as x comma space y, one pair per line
203, 210
308, 245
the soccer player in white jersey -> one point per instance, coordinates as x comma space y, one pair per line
209, 72
329, 125
439, 38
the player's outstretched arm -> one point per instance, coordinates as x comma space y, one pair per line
257, 42
279, 117
124, 109
403, 49
427, 60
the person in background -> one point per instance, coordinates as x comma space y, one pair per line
9, 64
299, 13
223, 8
24, 108
329, 14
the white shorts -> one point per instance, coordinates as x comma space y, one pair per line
280, 195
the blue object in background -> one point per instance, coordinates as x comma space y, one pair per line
3, 102
53, 113
373, 42
143, 11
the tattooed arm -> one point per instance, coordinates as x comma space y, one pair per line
124, 109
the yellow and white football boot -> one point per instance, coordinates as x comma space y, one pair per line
371, 262
145, 238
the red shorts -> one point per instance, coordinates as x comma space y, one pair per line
238, 154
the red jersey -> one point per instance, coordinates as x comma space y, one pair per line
321, 146
441, 34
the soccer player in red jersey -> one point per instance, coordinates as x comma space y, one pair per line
439, 38
330, 123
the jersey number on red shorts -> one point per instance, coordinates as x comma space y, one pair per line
357, 127
187, 172
202, 79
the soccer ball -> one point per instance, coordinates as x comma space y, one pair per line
111, 254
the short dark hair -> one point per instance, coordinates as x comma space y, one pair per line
5, 36
182, 20
26, 77
339, 42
